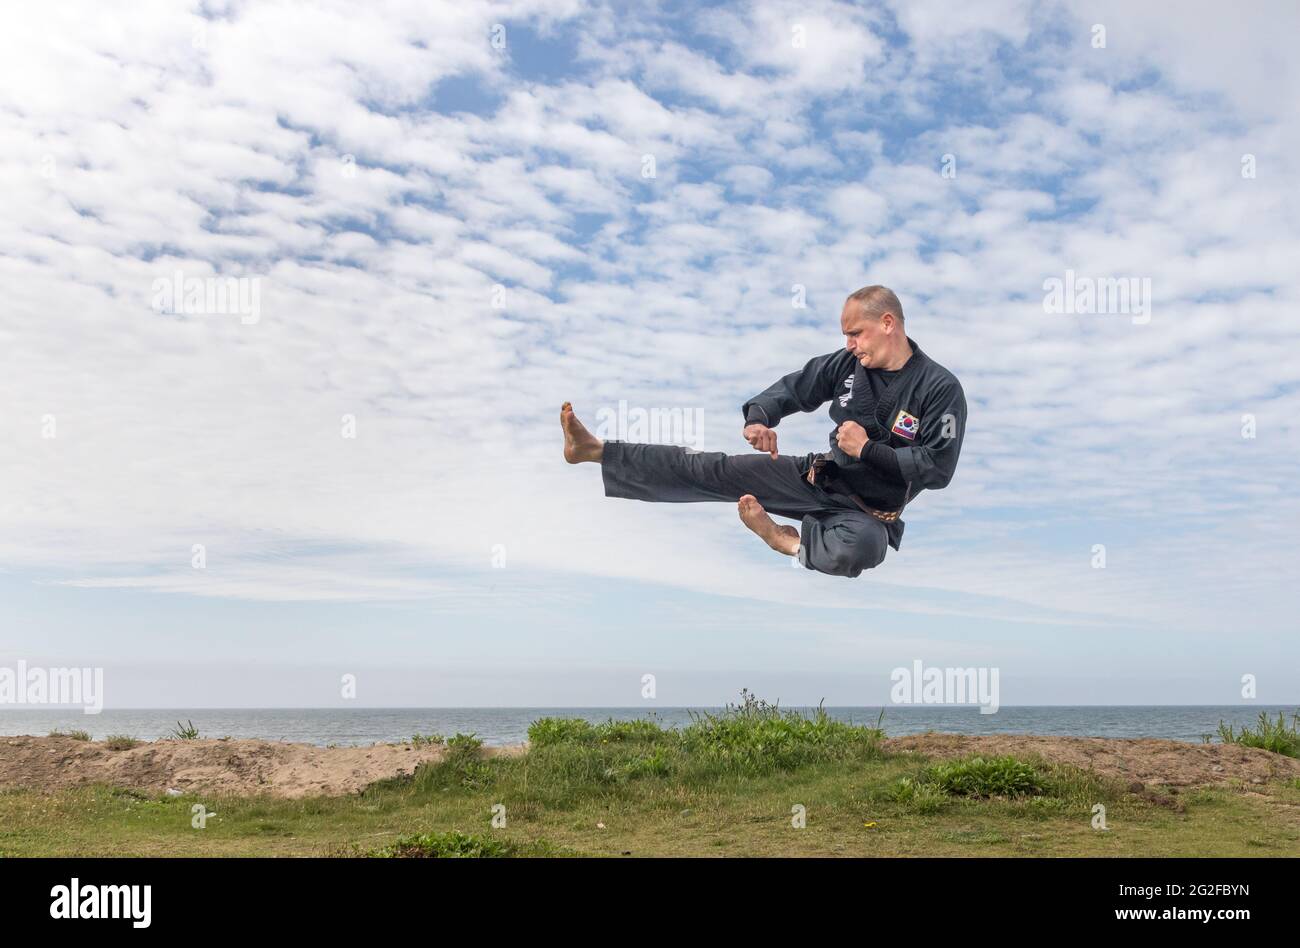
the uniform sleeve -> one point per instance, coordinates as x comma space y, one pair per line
932, 459
882, 460
805, 390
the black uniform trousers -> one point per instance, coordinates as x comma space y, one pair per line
835, 536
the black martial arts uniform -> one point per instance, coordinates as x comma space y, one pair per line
915, 419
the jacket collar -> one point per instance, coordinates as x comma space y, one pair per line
917, 356
889, 397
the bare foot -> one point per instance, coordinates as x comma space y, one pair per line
780, 537
579, 443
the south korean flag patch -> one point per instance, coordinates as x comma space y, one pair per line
907, 425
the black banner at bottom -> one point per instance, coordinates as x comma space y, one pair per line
332, 896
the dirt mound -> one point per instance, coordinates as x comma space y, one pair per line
238, 767
1146, 760
242, 767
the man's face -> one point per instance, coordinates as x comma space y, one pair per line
865, 336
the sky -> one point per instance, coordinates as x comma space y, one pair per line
446, 219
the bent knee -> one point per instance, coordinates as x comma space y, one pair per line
851, 559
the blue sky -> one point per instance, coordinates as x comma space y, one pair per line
452, 237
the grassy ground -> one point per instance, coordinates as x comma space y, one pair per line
727, 785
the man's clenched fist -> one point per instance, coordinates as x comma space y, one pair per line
851, 437
761, 437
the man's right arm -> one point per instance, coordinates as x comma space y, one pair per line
805, 390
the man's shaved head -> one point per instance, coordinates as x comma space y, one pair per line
876, 301
872, 323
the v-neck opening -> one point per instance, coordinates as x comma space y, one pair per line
874, 407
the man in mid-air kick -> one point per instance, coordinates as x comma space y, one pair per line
900, 418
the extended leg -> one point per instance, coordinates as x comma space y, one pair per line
665, 473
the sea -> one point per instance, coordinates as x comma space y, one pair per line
498, 726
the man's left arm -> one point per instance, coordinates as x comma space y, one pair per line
876, 456
882, 460
931, 460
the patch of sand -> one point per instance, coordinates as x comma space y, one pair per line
236, 767
1143, 760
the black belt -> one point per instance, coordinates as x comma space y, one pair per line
823, 472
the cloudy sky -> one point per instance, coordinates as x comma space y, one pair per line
456, 216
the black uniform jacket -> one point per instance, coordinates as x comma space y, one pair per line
920, 414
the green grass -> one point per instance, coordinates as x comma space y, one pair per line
978, 777
188, 732
749, 739
457, 845
452, 845
120, 742
726, 784
1278, 737
75, 735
